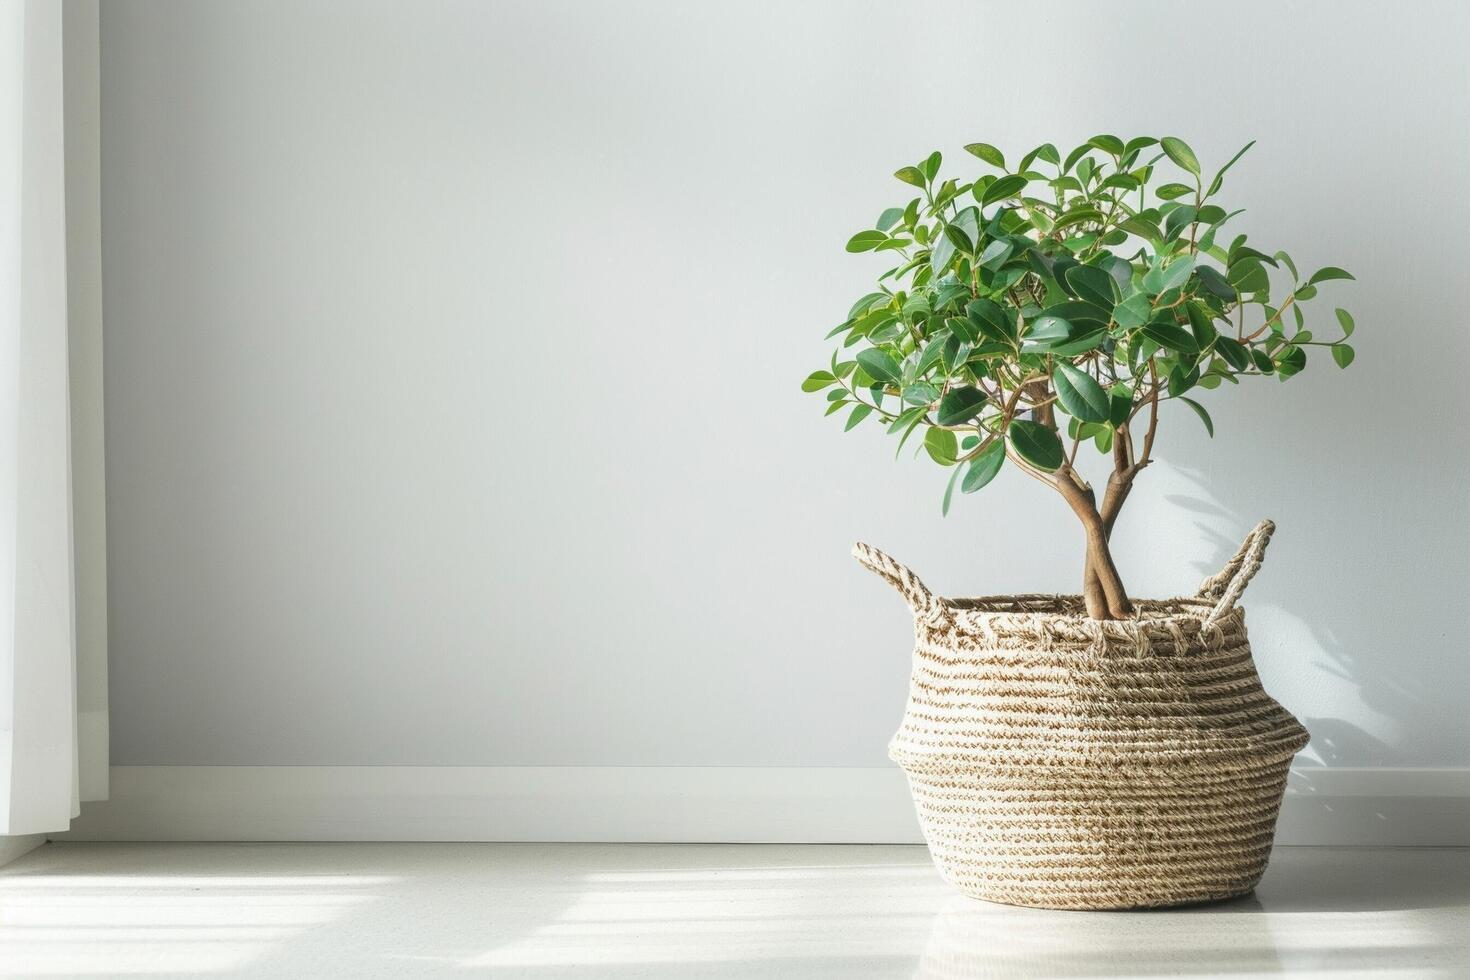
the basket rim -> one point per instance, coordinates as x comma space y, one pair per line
1055, 607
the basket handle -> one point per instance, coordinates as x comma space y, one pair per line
1226, 586
896, 574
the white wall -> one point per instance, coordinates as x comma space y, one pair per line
453, 353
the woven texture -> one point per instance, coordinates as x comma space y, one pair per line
1063, 762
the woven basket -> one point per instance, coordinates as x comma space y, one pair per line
1065, 762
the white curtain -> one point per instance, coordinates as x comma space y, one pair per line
53, 619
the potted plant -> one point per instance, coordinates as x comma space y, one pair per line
1092, 751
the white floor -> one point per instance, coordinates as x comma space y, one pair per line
676, 911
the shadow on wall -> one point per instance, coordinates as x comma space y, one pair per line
1318, 647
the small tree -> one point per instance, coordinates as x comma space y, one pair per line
1018, 327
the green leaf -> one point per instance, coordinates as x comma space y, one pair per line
995, 254
960, 405
1140, 226
1176, 273
866, 241
1203, 327
1248, 275
959, 239
1346, 319
1137, 144
949, 490
1127, 182
1212, 214
920, 393
1179, 151
1047, 327
1077, 217
1081, 313
948, 293
1211, 279
889, 218
1204, 416
1072, 159
955, 354
984, 467
1343, 354
1169, 192
1079, 343
942, 446
992, 321
1181, 380
913, 424
1220, 175
1178, 219
1290, 360
942, 254
906, 417
1120, 404
1132, 312
962, 328
1108, 144
862, 305
1037, 444
988, 153
1328, 273
910, 175
930, 167
859, 413
968, 221
1004, 187
933, 351
1233, 352
818, 380
1170, 335
880, 365
1090, 283
1047, 152
889, 328
1240, 250
1080, 395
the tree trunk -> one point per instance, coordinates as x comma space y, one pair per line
1102, 588
1113, 499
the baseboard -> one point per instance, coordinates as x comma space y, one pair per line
14, 846
1428, 807
494, 803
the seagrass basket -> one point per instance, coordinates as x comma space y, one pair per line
1065, 762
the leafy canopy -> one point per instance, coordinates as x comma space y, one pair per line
1035, 310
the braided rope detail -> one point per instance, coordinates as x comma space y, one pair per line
901, 577
1226, 585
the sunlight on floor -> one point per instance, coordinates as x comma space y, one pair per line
734, 915
77, 924
677, 911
